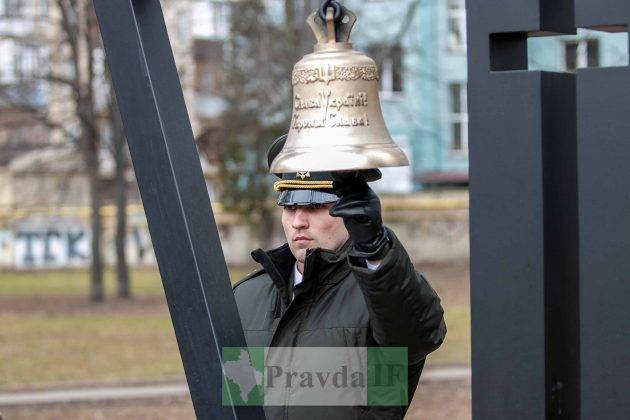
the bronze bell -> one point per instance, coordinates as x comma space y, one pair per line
337, 122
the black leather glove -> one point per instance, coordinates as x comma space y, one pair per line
360, 209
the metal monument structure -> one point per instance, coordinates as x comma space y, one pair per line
175, 198
550, 231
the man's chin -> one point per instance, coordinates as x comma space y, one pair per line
305, 245
299, 249
301, 253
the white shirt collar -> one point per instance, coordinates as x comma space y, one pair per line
297, 276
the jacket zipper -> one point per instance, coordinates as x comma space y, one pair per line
307, 272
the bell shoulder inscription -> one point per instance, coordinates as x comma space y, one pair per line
325, 99
330, 110
332, 120
330, 73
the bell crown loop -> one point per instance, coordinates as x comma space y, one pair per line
324, 9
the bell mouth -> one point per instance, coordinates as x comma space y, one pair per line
340, 158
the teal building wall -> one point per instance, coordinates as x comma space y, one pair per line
421, 112
425, 115
433, 65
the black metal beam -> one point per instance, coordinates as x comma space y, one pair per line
175, 198
522, 215
603, 107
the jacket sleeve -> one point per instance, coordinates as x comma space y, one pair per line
404, 309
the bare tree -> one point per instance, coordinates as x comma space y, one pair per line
77, 108
121, 160
257, 91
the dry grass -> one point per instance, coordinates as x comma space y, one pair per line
456, 347
76, 283
50, 333
44, 348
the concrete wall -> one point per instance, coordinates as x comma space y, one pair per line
433, 229
5, 188
62, 240
435, 236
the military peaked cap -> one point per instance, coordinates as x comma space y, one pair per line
306, 187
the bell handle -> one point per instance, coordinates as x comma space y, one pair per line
330, 25
342, 29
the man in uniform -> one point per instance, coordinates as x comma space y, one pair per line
341, 280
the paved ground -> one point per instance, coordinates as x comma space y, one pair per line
63, 395
434, 400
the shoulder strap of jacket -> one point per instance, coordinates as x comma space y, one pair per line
262, 258
250, 276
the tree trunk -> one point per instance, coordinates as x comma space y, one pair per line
266, 228
97, 293
122, 269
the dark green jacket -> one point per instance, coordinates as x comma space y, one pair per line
341, 303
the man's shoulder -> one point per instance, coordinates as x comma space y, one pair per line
256, 279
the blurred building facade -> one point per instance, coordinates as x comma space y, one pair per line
21, 54
34, 103
419, 46
44, 194
44, 213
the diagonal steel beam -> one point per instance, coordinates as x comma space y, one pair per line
175, 198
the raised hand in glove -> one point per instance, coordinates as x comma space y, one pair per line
360, 209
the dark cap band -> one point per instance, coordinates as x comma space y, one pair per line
305, 197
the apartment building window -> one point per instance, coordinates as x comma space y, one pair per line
11, 7
209, 71
220, 19
458, 117
456, 25
182, 24
581, 54
211, 19
25, 62
389, 59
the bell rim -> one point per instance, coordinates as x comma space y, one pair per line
354, 158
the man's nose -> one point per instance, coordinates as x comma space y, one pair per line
300, 221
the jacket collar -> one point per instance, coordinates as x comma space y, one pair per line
323, 265
278, 264
327, 266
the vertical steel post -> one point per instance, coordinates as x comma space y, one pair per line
523, 216
175, 198
603, 109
